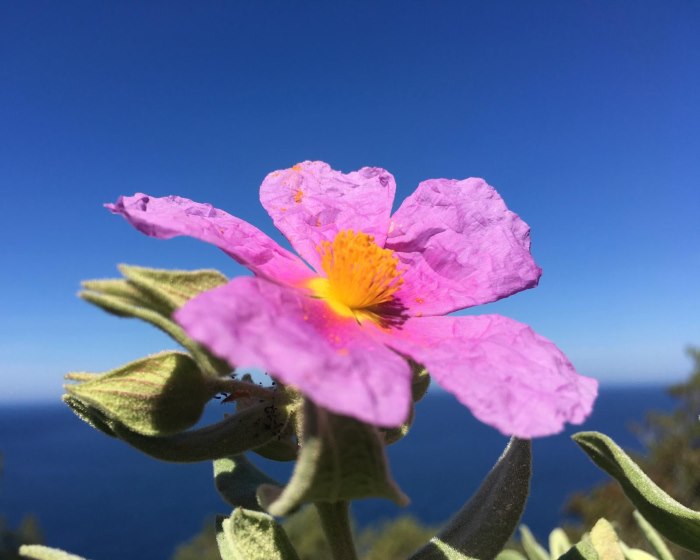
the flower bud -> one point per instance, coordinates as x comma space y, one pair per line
172, 288
157, 395
152, 295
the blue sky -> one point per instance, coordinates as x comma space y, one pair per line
585, 116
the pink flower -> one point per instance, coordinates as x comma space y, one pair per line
378, 291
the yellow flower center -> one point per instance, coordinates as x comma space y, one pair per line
360, 275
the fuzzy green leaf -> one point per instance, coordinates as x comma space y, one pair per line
676, 522
583, 550
652, 535
605, 541
158, 395
485, 523
444, 551
533, 549
252, 535
559, 543
509, 554
40, 552
636, 553
341, 459
237, 480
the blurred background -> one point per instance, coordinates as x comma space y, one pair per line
584, 115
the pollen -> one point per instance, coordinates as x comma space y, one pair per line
360, 275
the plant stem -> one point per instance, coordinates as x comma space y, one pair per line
243, 387
335, 519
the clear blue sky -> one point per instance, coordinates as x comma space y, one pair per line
585, 115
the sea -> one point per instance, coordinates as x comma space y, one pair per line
95, 496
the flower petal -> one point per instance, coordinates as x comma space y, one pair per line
506, 374
255, 323
460, 246
311, 202
171, 216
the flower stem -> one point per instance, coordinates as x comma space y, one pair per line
335, 519
245, 388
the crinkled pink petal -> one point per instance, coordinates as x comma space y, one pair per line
311, 202
506, 374
460, 246
252, 322
173, 215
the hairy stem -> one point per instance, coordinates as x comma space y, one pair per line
335, 519
240, 388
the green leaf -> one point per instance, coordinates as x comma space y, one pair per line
509, 554
341, 459
636, 553
533, 549
125, 299
583, 550
605, 541
652, 535
40, 552
237, 480
234, 435
485, 523
251, 535
444, 551
172, 288
559, 543
674, 521
158, 395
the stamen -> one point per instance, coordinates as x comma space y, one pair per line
360, 274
